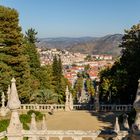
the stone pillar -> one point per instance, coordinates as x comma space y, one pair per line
71, 102
14, 130
125, 122
3, 108
77, 137
33, 126
117, 126
60, 138
44, 127
3, 100
67, 108
97, 104
136, 105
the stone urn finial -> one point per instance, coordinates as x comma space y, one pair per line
33, 126
3, 99
67, 89
13, 101
44, 127
117, 126
67, 94
125, 122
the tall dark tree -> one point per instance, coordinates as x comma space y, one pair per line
31, 50
123, 77
58, 79
13, 60
130, 59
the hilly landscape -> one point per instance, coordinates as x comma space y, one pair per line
89, 45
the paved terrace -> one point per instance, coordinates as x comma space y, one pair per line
80, 120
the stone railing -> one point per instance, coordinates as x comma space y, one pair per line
83, 107
42, 107
2, 134
117, 108
74, 134
47, 107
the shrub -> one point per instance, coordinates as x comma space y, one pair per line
4, 124
25, 118
25, 126
38, 114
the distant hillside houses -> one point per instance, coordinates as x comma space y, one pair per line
102, 57
75, 62
94, 68
67, 58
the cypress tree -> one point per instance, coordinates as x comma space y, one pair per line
59, 81
30, 38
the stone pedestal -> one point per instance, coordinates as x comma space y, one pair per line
67, 103
136, 125
97, 104
14, 130
117, 126
125, 122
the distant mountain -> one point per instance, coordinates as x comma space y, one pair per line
90, 45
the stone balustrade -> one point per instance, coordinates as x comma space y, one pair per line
83, 107
47, 107
42, 107
74, 134
117, 108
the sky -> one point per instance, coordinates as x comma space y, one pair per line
76, 18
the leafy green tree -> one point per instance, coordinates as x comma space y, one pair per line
13, 61
46, 78
44, 96
78, 85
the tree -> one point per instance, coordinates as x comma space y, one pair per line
44, 96
124, 74
130, 59
78, 85
31, 36
89, 58
13, 60
31, 50
59, 81
89, 87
